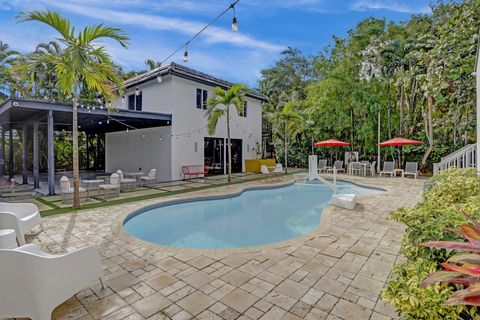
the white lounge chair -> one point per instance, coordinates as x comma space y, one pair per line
112, 189
322, 165
149, 179
21, 217
264, 170
66, 190
388, 168
34, 282
338, 166
411, 169
278, 168
126, 183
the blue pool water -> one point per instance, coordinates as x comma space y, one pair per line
256, 217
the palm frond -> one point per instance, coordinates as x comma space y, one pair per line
90, 34
53, 19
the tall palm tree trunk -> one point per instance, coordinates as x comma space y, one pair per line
229, 147
76, 174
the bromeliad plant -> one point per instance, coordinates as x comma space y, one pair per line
461, 269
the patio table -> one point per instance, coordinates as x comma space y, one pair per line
400, 171
92, 187
136, 176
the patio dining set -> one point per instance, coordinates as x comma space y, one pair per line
365, 168
107, 186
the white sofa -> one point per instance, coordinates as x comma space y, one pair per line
21, 217
33, 282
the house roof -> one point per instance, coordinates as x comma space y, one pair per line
15, 112
187, 73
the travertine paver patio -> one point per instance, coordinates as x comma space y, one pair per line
335, 274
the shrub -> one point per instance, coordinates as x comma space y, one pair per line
454, 191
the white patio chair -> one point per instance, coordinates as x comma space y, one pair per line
338, 166
322, 165
149, 179
34, 282
126, 183
388, 168
112, 189
411, 169
66, 190
356, 168
372, 168
278, 168
21, 217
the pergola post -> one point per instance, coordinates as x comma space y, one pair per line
2, 154
10, 152
36, 158
50, 154
24, 154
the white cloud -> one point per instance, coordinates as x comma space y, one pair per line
364, 5
150, 21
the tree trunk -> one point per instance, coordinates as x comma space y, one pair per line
429, 129
76, 172
286, 149
229, 148
388, 111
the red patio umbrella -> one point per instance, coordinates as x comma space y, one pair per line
395, 142
331, 143
399, 142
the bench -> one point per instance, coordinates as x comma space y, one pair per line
194, 170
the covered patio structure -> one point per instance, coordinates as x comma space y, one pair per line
33, 116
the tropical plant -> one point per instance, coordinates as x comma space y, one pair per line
152, 64
462, 269
83, 62
219, 105
452, 193
287, 123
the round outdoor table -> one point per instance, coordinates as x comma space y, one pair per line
7, 239
92, 187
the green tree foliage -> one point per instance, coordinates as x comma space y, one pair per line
454, 192
418, 73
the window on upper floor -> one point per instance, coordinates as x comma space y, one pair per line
244, 111
135, 101
202, 98
138, 101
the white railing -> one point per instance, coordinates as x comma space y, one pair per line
462, 158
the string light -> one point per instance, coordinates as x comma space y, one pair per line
234, 21
185, 54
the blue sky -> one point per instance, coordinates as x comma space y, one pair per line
158, 27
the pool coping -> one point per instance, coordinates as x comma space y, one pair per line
325, 221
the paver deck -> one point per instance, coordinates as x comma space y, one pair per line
337, 273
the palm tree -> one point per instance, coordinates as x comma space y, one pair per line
83, 62
7, 59
219, 105
286, 123
152, 64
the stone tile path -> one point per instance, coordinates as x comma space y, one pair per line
335, 274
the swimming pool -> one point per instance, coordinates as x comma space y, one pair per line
256, 217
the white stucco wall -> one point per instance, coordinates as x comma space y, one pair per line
139, 150
177, 96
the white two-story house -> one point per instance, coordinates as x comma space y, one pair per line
182, 93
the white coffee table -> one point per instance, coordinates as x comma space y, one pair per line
8, 239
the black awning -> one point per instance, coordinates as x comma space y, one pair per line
16, 112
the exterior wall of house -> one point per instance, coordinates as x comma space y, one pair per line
177, 96
140, 150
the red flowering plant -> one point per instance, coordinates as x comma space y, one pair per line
461, 269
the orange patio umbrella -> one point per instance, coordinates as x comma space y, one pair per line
396, 142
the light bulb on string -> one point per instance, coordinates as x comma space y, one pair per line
234, 21
137, 91
185, 54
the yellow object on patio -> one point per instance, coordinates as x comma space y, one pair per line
253, 165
